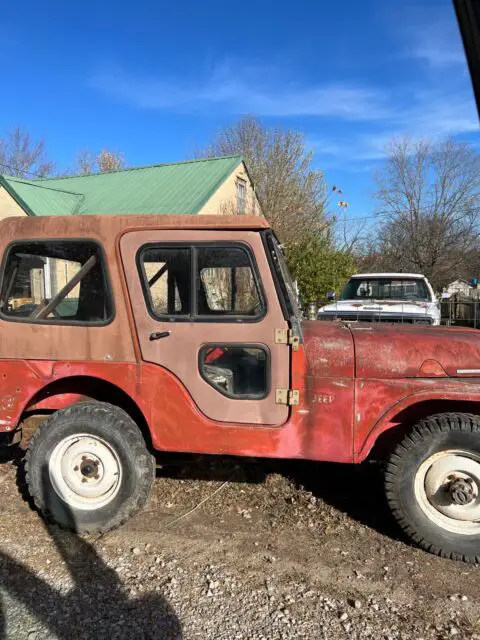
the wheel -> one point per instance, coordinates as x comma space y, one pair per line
88, 468
432, 484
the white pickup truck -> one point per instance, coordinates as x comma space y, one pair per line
385, 297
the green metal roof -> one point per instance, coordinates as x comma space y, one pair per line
181, 187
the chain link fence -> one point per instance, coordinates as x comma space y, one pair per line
462, 310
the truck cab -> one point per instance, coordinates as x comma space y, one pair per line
127, 335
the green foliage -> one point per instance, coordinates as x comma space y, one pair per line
318, 267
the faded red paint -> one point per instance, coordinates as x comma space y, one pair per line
389, 351
355, 381
175, 422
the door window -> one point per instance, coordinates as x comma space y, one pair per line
166, 276
222, 284
227, 284
236, 371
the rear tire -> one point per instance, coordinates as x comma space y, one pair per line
88, 468
432, 485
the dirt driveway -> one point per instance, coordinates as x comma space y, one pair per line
231, 549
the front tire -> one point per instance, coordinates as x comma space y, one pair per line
432, 485
88, 468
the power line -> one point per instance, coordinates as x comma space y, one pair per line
371, 217
381, 214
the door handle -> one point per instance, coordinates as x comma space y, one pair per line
157, 335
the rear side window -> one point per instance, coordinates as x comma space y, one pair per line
55, 282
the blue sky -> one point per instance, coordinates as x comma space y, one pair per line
156, 80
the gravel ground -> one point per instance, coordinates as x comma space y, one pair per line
233, 549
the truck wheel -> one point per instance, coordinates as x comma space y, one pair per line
88, 468
432, 484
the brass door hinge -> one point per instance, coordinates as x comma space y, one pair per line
286, 336
287, 396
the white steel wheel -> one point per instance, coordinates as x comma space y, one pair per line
88, 468
447, 489
432, 484
85, 471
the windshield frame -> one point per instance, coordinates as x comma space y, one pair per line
284, 282
387, 280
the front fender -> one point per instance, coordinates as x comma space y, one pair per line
405, 394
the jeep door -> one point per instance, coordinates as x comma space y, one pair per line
206, 309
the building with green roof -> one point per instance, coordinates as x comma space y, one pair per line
207, 186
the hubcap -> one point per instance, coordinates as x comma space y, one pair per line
447, 489
85, 471
462, 491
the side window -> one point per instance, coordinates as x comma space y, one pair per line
236, 371
227, 282
167, 274
200, 282
57, 281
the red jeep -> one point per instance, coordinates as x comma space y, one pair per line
179, 333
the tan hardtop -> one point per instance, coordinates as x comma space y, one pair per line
108, 225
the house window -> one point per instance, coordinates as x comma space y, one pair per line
56, 282
241, 196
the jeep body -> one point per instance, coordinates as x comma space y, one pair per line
188, 326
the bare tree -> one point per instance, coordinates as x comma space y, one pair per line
84, 163
104, 162
292, 194
429, 207
348, 234
23, 157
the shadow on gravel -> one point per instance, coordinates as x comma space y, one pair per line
356, 490
97, 604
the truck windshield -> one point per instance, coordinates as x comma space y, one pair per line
284, 276
386, 289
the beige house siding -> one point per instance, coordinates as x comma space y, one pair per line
8, 206
46, 282
224, 200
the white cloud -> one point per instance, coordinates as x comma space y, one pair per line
232, 90
354, 121
429, 114
437, 43
439, 114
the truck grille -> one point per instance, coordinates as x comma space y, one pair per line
354, 316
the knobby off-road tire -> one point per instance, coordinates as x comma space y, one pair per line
432, 485
88, 468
